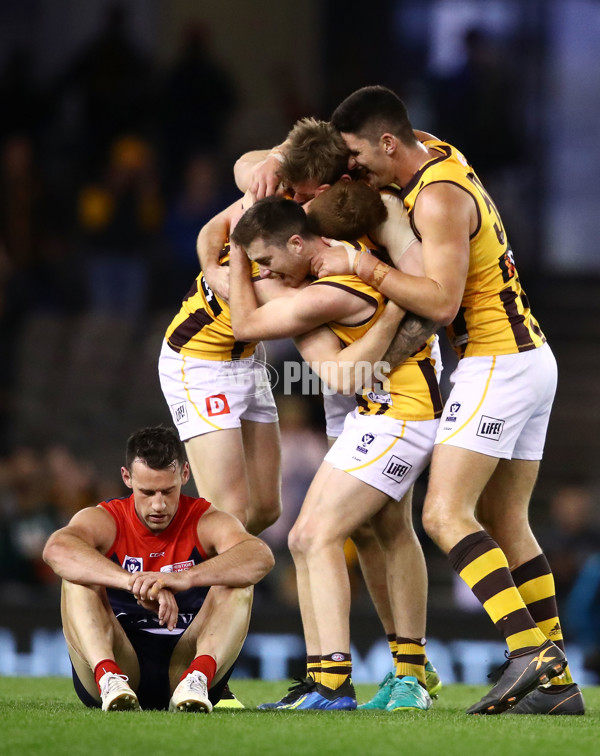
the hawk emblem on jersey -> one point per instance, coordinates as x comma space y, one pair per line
133, 564
397, 469
490, 427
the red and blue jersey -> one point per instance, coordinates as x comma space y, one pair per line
136, 549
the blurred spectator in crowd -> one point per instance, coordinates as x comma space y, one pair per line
113, 84
197, 104
120, 218
486, 87
28, 517
40, 490
202, 195
571, 534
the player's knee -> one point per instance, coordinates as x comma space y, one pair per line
263, 516
364, 537
434, 521
224, 594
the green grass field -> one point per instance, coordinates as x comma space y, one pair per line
43, 715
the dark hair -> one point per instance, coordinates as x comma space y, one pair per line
370, 112
158, 447
347, 210
314, 151
273, 219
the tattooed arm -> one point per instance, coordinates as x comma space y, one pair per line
412, 333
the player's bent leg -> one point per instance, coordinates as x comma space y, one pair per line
325, 523
503, 510
218, 465
262, 449
456, 479
93, 636
209, 647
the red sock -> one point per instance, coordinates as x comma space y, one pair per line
205, 664
104, 666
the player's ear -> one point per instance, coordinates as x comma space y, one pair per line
321, 188
388, 142
295, 243
126, 475
185, 473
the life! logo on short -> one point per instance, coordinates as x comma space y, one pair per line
217, 405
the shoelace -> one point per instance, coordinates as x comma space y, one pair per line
496, 674
301, 685
196, 682
114, 681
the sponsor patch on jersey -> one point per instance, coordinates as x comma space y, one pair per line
133, 564
217, 405
180, 413
397, 469
379, 398
178, 566
490, 427
156, 554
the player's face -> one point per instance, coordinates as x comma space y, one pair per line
155, 492
287, 264
371, 158
303, 191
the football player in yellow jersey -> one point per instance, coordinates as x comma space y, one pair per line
385, 445
488, 449
312, 156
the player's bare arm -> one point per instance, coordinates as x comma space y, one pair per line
236, 559
286, 317
209, 244
258, 172
346, 369
76, 552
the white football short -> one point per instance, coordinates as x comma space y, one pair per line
336, 407
209, 395
387, 454
500, 406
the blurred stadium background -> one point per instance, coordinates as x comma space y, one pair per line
120, 125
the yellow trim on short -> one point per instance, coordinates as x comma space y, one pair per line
189, 398
476, 410
479, 568
538, 588
383, 453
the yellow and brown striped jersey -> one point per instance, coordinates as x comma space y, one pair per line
495, 317
202, 327
411, 391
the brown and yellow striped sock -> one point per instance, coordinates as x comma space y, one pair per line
336, 668
482, 565
535, 583
313, 667
410, 659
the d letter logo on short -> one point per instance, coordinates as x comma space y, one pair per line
217, 405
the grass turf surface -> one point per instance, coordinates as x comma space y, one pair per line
43, 715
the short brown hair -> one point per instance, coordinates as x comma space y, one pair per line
157, 446
273, 219
347, 210
314, 150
